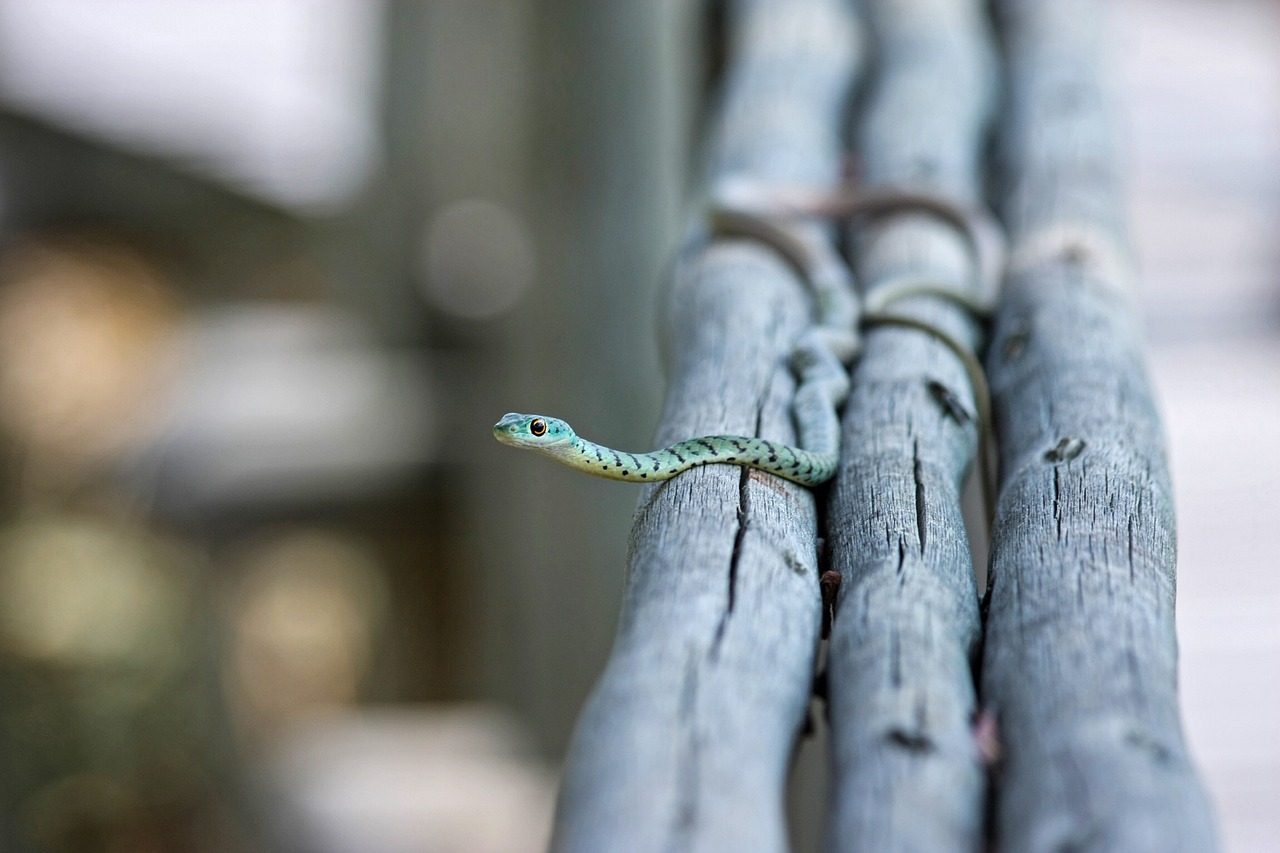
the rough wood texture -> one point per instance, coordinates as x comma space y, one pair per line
1080, 657
906, 630
686, 741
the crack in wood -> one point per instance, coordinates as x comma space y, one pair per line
1057, 503
895, 662
911, 741
914, 737
950, 402
686, 811
1016, 345
740, 535
1065, 450
917, 472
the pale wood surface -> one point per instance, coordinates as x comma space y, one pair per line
907, 773
686, 741
1080, 654
1204, 175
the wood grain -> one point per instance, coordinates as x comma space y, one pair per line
907, 773
686, 741
1080, 661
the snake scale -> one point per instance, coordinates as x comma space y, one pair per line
824, 349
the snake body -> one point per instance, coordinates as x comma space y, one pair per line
556, 439
821, 354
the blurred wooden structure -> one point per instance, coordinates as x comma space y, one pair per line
1080, 660
686, 740
906, 770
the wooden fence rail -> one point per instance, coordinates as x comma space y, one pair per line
686, 741
907, 774
1080, 654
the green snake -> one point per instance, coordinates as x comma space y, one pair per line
823, 350
557, 439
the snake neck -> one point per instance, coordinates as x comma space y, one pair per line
601, 461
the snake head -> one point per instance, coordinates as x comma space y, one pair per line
536, 432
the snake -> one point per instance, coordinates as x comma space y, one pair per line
823, 350
555, 438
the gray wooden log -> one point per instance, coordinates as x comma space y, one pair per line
906, 629
686, 741
1080, 657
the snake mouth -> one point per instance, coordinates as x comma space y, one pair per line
505, 434
509, 427
505, 429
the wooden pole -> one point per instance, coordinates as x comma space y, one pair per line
907, 775
686, 741
1080, 659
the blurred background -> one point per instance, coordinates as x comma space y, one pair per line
270, 270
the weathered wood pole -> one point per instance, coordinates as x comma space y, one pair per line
1080, 660
906, 633
686, 741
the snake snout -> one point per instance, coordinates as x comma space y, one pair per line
505, 430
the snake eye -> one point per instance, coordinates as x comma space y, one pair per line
538, 426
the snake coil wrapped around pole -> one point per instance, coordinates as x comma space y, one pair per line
822, 353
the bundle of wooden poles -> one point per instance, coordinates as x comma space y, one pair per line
1043, 718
